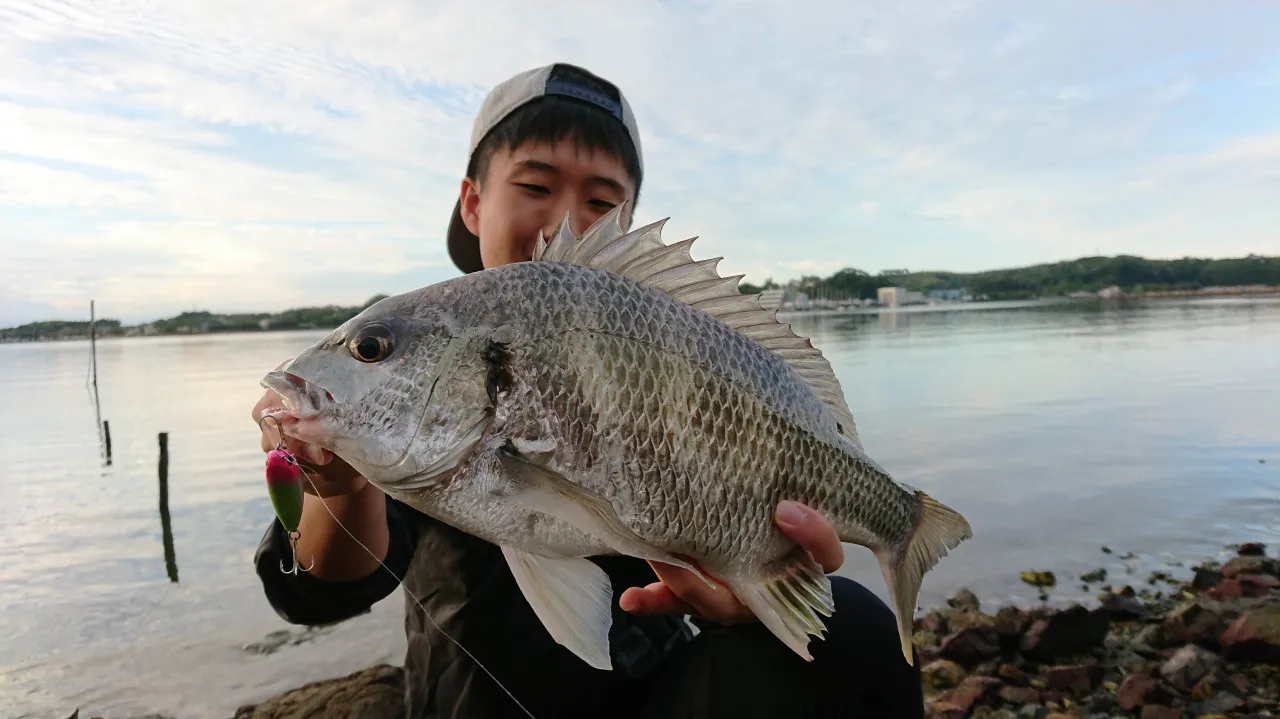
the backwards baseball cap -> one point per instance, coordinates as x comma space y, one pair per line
560, 79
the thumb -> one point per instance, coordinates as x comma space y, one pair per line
812, 531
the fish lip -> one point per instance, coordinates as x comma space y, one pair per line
303, 400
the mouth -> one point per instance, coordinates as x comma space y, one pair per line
302, 399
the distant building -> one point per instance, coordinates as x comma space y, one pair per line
1109, 292
898, 297
948, 295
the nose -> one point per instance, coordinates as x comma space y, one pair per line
578, 219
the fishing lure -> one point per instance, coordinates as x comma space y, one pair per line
284, 485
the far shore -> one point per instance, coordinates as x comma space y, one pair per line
785, 314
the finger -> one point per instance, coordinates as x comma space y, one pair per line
309, 452
656, 598
812, 531
718, 603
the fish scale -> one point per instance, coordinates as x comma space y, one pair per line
630, 401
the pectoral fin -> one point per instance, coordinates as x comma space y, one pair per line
542, 490
572, 597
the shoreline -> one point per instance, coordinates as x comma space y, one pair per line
1155, 648
784, 315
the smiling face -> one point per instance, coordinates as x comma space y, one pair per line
532, 187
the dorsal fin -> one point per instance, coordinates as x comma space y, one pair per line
642, 256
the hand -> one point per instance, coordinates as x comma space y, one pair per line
331, 476
680, 591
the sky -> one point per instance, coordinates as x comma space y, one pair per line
159, 157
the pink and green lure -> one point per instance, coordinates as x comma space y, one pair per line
284, 484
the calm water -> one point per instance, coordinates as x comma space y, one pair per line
1055, 429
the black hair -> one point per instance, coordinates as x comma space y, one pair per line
555, 118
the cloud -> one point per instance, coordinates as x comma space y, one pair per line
246, 155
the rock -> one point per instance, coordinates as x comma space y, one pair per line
372, 693
924, 640
1075, 678
943, 673
1144, 642
1039, 578
1011, 623
935, 622
1248, 565
1205, 578
1187, 666
1138, 690
1011, 673
1252, 549
960, 621
989, 713
1199, 622
971, 646
964, 600
1219, 703
1020, 695
1122, 607
1097, 575
964, 697
1244, 585
1254, 637
1157, 711
1071, 631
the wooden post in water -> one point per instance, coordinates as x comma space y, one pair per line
106, 437
166, 530
104, 441
93, 348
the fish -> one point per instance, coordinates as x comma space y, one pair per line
614, 396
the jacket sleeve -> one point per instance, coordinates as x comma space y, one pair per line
302, 599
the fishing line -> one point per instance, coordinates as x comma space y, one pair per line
306, 473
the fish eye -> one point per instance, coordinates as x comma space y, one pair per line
371, 344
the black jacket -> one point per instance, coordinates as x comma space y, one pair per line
466, 586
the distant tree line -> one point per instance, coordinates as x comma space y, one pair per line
1088, 274
302, 318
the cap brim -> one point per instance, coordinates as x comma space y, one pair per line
464, 247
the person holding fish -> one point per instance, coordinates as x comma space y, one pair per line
518, 634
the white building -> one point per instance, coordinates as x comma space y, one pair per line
898, 297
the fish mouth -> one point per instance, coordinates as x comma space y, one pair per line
303, 400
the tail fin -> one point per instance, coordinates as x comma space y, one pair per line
939, 530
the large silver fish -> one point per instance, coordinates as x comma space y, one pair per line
614, 396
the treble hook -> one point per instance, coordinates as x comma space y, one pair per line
293, 544
279, 428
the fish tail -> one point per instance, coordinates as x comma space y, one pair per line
938, 530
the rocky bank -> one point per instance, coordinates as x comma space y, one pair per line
1204, 648
1208, 647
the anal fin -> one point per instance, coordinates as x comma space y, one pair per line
788, 599
572, 597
